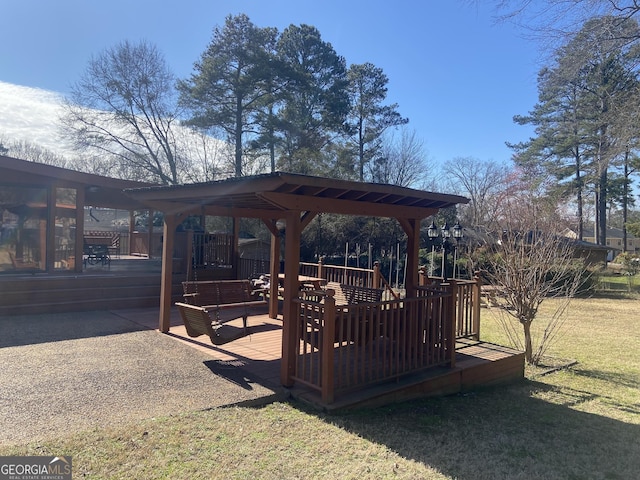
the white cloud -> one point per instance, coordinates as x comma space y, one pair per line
32, 115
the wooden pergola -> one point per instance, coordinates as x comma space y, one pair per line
296, 200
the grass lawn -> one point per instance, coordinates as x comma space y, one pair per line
579, 423
619, 282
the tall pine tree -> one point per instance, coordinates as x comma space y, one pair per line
230, 82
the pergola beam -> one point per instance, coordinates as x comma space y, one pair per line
347, 207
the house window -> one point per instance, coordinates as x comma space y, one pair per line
23, 228
65, 228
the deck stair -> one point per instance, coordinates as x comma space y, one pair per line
34, 294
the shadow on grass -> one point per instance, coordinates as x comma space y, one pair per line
621, 379
525, 430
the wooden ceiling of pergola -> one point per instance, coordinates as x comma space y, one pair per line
268, 196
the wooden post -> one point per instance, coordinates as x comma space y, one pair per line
477, 298
320, 268
412, 229
451, 323
48, 233
189, 255
290, 315
327, 380
422, 277
132, 228
376, 275
274, 270
235, 256
170, 224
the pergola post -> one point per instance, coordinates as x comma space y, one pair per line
274, 270
376, 275
48, 234
450, 323
411, 227
234, 247
170, 224
290, 312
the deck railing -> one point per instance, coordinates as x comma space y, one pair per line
359, 277
468, 308
468, 300
345, 347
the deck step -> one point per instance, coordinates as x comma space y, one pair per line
66, 293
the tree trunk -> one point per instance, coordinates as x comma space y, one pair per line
602, 208
528, 344
625, 201
238, 138
579, 198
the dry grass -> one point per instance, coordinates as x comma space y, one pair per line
578, 423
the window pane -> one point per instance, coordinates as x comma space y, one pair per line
65, 228
23, 228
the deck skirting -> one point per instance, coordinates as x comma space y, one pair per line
481, 364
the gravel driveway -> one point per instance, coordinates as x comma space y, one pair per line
62, 373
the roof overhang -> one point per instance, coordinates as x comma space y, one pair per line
269, 196
100, 191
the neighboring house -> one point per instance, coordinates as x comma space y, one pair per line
592, 254
614, 240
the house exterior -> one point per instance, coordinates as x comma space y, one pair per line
43, 210
614, 240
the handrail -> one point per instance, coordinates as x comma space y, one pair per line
344, 347
388, 288
363, 277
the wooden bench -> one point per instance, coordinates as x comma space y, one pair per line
490, 296
204, 300
344, 296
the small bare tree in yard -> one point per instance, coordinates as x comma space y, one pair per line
531, 264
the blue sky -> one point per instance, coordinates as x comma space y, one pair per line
457, 75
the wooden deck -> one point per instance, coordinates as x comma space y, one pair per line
258, 355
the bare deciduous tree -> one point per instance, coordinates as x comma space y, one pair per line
124, 107
32, 152
401, 161
532, 263
553, 20
480, 181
